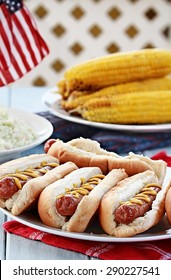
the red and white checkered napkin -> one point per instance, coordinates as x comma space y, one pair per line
156, 250
153, 250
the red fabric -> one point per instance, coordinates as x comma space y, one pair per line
22, 47
162, 155
154, 250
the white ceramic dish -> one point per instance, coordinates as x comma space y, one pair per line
51, 100
161, 231
42, 128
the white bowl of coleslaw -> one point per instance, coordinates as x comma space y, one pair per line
21, 131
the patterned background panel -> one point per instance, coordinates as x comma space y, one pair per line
79, 30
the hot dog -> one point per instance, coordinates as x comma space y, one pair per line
134, 205
23, 179
48, 144
85, 152
71, 202
66, 203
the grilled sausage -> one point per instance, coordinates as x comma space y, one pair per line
11, 183
127, 212
66, 204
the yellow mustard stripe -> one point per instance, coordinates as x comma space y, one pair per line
16, 175
43, 171
85, 187
51, 164
18, 183
143, 195
29, 172
32, 174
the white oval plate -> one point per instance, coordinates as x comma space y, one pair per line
161, 231
41, 126
51, 100
94, 233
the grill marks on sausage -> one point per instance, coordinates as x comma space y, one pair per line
7, 187
137, 206
11, 183
66, 203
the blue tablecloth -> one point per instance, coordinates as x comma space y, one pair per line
117, 141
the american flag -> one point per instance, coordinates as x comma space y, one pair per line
21, 45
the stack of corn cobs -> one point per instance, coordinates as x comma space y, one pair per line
121, 88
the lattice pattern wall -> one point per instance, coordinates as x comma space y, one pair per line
77, 30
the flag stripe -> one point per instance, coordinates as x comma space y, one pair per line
9, 55
30, 35
16, 67
41, 43
19, 54
2, 79
13, 71
12, 41
5, 59
8, 76
6, 39
22, 46
19, 30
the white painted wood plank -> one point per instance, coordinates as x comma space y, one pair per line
19, 248
2, 237
4, 101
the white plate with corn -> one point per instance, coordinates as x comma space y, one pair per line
122, 91
52, 102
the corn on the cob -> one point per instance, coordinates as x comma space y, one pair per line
61, 87
118, 68
76, 94
132, 108
138, 86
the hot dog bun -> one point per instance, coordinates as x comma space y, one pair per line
25, 162
85, 152
30, 192
80, 219
168, 205
22, 164
158, 166
88, 205
46, 204
125, 190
